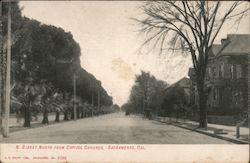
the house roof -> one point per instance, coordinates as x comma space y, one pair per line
215, 49
234, 44
183, 82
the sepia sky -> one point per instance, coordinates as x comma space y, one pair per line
109, 40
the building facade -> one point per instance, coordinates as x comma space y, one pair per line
227, 77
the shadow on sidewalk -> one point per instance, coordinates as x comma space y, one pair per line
219, 131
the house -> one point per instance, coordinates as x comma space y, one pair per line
177, 99
184, 83
227, 77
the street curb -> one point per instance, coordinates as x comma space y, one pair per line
210, 134
214, 135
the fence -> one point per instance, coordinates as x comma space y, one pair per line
222, 120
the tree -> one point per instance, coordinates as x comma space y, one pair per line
157, 94
135, 103
174, 102
143, 81
146, 93
191, 27
16, 14
39, 52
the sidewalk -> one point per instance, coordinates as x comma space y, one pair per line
13, 122
17, 125
226, 132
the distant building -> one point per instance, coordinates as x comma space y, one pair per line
184, 83
227, 76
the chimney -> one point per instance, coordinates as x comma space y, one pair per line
223, 41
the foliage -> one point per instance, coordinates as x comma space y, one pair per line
175, 101
191, 27
44, 59
146, 93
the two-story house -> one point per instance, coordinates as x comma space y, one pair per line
227, 77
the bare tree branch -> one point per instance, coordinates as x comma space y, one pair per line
232, 8
191, 26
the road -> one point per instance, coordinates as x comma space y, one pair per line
113, 128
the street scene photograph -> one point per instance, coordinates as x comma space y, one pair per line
125, 72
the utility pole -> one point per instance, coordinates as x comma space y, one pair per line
74, 85
7, 93
1, 67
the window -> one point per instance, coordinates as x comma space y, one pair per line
237, 97
221, 71
214, 94
238, 71
209, 74
232, 71
220, 93
214, 73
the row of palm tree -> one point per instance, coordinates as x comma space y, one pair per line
31, 99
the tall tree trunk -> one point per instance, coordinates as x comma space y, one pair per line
66, 115
27, 115
72, 113
78, 112
82, 112
202, 105
57, 116
45, 117
2, 72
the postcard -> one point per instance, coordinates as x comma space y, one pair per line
124, 81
